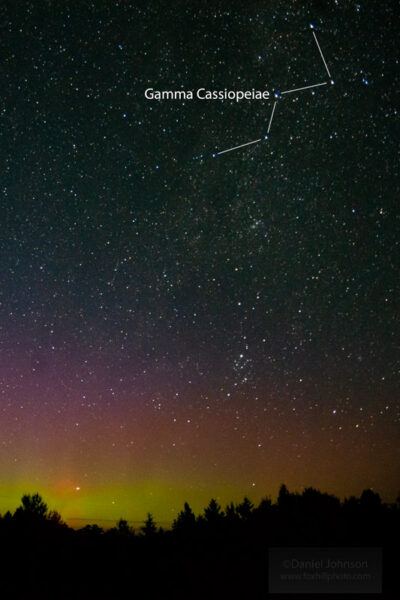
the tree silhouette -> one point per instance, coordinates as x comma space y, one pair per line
283, 496
33, 506
91, 530
55, 517
245, 509
213, 513
185, 521
264, 505
231, 514
123, 527
315, 501
149, 529
370, 500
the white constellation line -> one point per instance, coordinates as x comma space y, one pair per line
241, 146
272, 116
322, 56
307, 87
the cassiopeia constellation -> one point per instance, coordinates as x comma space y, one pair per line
203, 94
237, 96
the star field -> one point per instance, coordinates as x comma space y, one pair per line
174, 324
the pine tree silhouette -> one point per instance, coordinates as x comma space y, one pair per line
33, 506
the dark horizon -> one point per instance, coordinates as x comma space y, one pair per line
243, 549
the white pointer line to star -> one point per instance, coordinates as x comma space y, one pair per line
303, 88
241, 146
272, 116
322, 56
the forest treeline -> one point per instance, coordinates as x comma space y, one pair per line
220, 551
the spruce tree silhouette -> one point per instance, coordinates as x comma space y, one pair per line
231, 515
149, 529
245, 509
283, 496
213, 512
185, 522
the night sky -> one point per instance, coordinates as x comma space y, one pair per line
175, 324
